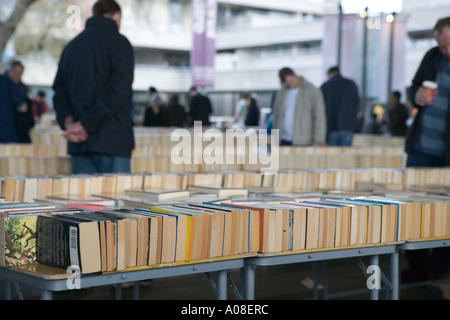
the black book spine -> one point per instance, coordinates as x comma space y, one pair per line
57, 243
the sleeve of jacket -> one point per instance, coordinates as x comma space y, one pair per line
416, 83
117, 94
276, 107
426, 69
209, 105
319, 117
17, 96
61, 102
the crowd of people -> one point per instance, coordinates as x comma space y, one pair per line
93, 103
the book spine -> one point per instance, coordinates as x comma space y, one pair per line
57, 244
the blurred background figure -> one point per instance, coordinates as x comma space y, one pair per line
23, 116
252, 114
342, 104
93, 94
155, 114
12, 101
175, 112
397, 116
299, 111
200, 108
39, 105
241, 111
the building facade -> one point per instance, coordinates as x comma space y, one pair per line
254, 39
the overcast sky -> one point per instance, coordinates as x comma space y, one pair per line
375, 6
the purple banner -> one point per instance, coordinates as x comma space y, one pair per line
204, 20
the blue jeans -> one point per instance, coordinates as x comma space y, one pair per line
419, 159
92, 163
340, 138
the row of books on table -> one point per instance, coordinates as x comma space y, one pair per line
26, 188
100, 236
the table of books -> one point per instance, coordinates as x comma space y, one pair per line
174, 238
372, 251
50, 280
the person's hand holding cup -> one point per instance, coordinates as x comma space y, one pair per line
426, 93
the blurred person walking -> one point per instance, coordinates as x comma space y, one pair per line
23, 115
397, 116
39, 105
176, 112
253, 113
241, 111
13, 101
342, 103
200, 108
299, 111
93, 94
428, 140
155, 114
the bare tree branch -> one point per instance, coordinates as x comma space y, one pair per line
8, 27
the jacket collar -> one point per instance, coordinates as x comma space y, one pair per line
100, 21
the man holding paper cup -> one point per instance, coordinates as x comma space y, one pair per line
428, 140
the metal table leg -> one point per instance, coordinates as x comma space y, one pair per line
325, 280
222, 277
374, 293
46, 295
136, 290
249, 282
118, 291
395, 275
316, 280
8, 289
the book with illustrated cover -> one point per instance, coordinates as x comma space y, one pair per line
19, 237
18, 232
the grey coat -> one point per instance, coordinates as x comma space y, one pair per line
310, 114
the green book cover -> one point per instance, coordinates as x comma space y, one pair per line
20, 240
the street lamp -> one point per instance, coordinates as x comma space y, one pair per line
364, 15
339, 53
390, 18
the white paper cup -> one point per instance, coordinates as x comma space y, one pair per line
431, 89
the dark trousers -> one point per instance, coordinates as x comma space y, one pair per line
285, 143
92, 163
340, 138
419, 159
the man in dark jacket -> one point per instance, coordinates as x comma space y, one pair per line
200, 107
342, 102
430, 126
93, 94
14, 92
428, 141
12, 102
